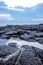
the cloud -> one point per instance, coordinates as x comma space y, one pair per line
27, 11
3, 5
20, 5
16, 9
37, 19
23, 3
6, 17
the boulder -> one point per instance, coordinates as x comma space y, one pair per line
28, 57
7, 49
39, 53
40, 40
25, 55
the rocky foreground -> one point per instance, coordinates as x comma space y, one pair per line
25, 55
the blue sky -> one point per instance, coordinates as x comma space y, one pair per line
21, 12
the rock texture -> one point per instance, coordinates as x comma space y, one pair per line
26, 32
12, 55
25, 55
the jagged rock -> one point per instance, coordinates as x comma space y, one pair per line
39, 53
23, 31
11, 33
40, 34
40, 40
28, 57
40, 27
33, 33
10, 59
6, 50
2, 32
27, 37
13, 45
29, 27
20, 32
28, 32
24, 56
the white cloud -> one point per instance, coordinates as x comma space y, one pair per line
23, 3
12, 8
12, 4
6, 17
17, 9
37, 19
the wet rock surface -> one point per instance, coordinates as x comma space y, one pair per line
12, 55
6, 50
26, 32
28, 57
25, 55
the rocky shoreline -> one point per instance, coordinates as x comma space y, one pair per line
26, 32
25, 55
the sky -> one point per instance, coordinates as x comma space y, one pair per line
18, 12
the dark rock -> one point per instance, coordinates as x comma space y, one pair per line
29, 27
33, 33
2, 32
40, 40
28, 32
11, 59
11, 33
40, 34
13, 45
25, 32
6, 50
20, 32
40, 28
39, 53
25, 36
28, 57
